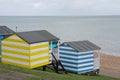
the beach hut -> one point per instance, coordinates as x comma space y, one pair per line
28, 49
78, 56
4, 32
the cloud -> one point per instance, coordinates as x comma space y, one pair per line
59, 7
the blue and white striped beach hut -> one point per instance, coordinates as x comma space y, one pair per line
78, 56
4, 31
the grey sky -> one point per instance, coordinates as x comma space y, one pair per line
59, 7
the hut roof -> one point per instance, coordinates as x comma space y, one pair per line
83, 46
37, 36
4, 30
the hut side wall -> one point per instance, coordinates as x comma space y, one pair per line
15, 51
76, 62
39, 54
85, 62
69, 58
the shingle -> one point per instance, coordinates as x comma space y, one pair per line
37, 36
5, 30
83, 46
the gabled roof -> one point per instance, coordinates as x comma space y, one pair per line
37, 36
83, 46
5, 30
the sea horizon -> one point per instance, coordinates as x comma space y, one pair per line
101, 30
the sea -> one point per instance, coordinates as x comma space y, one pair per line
104, 31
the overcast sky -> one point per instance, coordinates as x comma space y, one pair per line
59, 7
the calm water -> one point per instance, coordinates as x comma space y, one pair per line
104, 31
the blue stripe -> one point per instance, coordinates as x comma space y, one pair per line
62, 57
87, 70
69, 62
81, 71
76, 63
91, 65
76, 54
91, 57
65, 46
66, 66
71, 50
69, 54
71, 71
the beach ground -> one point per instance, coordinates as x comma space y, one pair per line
110, 65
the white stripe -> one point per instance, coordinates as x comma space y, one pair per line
86, 52
62, 47
15, 61
15, 49
15, 43
15, 55
76, 61
40, 49
69, 52
80, 69
39, 56
91, 55
85, 60
39, 62
14, 37
79, 65
85, 64
36, 44
72, 65
75, 57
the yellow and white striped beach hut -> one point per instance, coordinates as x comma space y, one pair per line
27, 49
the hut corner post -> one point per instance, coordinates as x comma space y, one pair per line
58, 49
97, 59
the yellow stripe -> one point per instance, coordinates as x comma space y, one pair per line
15, 52
38, 46
16, 64
15, 35
40, 52
14, 58
38, 65
37, 59
15, 46
14, 40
